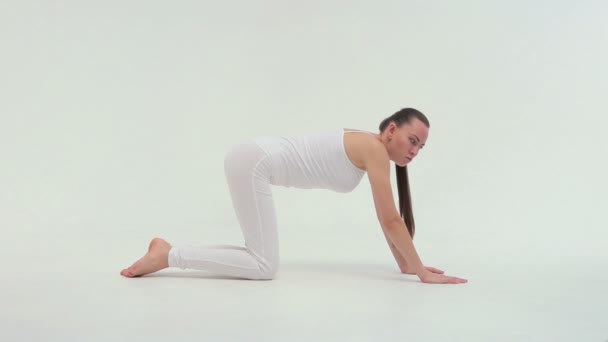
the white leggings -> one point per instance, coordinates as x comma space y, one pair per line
247, 168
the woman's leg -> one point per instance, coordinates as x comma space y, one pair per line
247, 170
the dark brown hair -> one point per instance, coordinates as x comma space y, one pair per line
401, 117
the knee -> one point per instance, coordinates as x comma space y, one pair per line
268, 271
267, 275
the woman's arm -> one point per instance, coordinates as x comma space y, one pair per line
398, 257
403, 267
378, 172
377, 166
397, 233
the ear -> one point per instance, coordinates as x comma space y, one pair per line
392, 127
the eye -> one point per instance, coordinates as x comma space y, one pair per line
413, 141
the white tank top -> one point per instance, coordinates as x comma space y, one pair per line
312, 160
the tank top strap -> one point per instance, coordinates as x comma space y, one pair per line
357, 131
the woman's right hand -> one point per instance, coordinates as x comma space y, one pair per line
435, 278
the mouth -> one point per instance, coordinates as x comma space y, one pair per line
408, 158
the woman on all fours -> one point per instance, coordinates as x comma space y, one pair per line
328, 159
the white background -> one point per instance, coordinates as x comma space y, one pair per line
115, 117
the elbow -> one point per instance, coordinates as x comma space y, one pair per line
393, 223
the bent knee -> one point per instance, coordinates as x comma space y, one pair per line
268, 271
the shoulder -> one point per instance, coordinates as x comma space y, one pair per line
365, 150
373, 153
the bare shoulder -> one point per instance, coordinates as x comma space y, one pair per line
374, 154
364, 149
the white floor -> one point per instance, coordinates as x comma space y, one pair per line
69, 289
114, 121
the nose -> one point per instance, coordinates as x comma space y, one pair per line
413, 153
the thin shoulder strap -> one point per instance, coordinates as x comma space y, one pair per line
356, 131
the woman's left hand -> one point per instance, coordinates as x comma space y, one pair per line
429, 268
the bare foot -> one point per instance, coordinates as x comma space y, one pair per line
156, 259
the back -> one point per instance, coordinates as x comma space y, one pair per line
312, 160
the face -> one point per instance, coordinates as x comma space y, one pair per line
406, 141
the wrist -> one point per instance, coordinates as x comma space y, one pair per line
406, 270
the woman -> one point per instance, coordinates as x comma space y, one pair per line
330, 159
